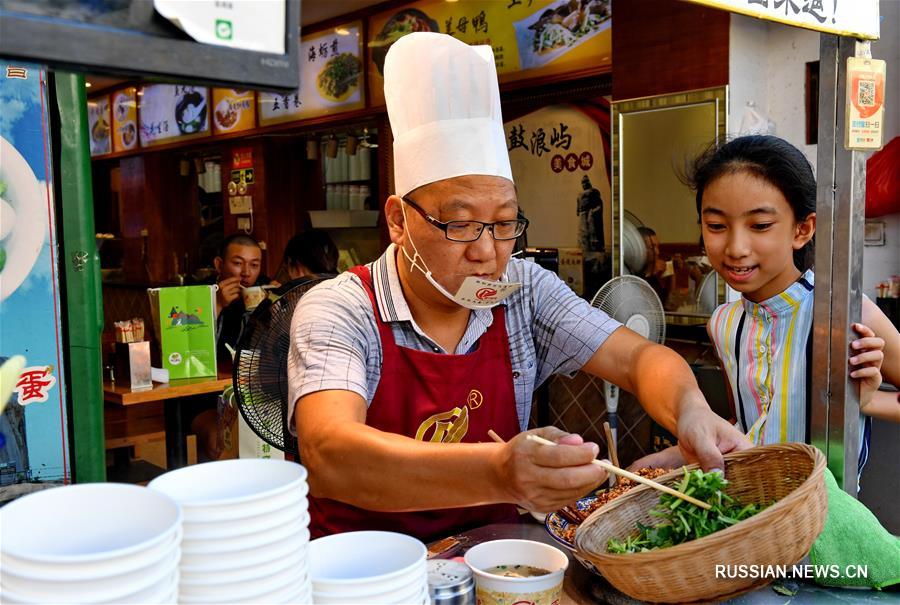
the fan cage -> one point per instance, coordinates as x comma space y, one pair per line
260, 368
627, 295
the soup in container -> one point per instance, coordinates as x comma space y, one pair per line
253, 296
514, 571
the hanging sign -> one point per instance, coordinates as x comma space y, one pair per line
124, 119
172, 112
865, 104
331, 78
529, 38
99, 125
856, 18
233, 110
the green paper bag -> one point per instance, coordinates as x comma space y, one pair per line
187, 326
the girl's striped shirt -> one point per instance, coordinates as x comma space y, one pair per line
766, 351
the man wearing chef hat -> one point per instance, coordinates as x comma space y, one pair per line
398, 369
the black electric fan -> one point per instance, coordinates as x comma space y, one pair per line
260, 367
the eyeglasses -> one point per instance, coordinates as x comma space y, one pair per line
470, 231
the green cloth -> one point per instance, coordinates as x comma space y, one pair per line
853, 536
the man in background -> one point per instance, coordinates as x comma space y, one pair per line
238, 266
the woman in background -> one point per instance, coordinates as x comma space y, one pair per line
309, 254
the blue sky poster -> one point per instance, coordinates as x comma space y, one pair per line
33, 427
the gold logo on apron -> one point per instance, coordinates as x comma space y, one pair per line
449, 427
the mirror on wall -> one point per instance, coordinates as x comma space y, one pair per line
656, 232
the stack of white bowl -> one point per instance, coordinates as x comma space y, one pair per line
90, 543
368, 567
246, 533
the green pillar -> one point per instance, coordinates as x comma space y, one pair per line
82, 297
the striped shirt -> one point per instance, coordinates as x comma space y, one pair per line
335, 342
766, 351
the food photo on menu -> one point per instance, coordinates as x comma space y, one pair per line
552, 32
339, 77
404, 22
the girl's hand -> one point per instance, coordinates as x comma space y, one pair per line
865, 363
668, 458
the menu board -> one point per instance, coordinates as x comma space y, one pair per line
233, 110
331, 78
173, 111
124, 119
99, 125
529, 38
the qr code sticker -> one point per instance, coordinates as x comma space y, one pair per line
866, 94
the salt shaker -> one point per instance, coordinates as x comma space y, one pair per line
450, 583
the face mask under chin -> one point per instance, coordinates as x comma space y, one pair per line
474, 293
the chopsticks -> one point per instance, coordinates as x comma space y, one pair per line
611, 445
613, 451
629, 475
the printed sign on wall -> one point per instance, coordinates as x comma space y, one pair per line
530, 38
559, 168
124, 119
33, 437
556, 154
331, 78
173, 112
99, 125
233, 110
865, 104
858, 18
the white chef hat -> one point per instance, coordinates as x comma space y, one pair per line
443, 102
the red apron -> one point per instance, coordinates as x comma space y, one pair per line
433, 397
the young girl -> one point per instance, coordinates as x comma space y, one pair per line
756, 197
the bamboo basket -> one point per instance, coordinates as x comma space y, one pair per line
791, 474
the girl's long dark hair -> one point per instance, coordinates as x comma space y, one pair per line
772, 159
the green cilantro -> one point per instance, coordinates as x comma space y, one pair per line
682, 521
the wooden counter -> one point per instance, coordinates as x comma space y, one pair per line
172, 395
186, 387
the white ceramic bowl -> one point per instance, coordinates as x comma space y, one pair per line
284, 595
40, 593
92, 569
113, 585
404, 583
164, 591
89, 522
303, 597
262, 538
296, 561
238, 559
413, 593
232, 512
249, 591
225, 483
364, 558
493, 589
250, 525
